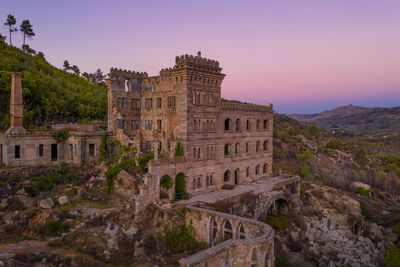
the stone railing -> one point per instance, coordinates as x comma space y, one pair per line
233, 105
258, 237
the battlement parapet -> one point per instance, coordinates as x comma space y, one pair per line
196, 60
234, 105
127, 74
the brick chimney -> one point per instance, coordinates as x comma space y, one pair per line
16, 105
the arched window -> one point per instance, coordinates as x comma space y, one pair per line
265, 168
258, 124
227, 176
248, 172
194, 184
265, 124
227, 149
213, 230
227, 124
257, 169
265, 146
254, 260
258, 146
237, 148
227, 230
247, 124
240, 233
207, 181
211, 180
237, 125
198, 183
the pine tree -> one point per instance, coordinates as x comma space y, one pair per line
26, 29
11, 21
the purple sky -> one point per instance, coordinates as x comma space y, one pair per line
302, 56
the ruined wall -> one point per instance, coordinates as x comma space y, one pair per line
40, 148
251, 242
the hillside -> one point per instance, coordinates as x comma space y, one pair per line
50, 94
356, 119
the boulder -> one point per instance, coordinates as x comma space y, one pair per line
354, 207
359, 184
375, 232
46, 203
3, 203
37, 224
63, 200
131, 231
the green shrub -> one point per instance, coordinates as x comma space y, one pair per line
180, 187
333, 144
142, 160
304, 171
72, 192
179, 152
392, 257
61, 135
277, 222
166, 182
111, 174
363, 192
55, 227
361, 156
181, 239
161, 156
128, 165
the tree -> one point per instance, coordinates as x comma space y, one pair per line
28, 49
392, 257
11, 21
2, 38
66, 65
26, 29
75, 69
99, 77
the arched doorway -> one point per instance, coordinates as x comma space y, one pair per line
227, 176
180, 186
237, 171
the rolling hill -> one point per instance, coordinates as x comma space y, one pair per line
356, 119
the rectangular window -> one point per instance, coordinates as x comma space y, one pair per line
171, 102
159, 125
159, 103
148, 124
17, 151
148, 104
41, 152
135, 125
135, 104
71, 151
54, 152
118, 102
123, 102
1, 152
91, 150
121, 124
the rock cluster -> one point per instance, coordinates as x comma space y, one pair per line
332, 241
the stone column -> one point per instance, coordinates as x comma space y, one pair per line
16, 105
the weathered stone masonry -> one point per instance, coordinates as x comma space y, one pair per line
225, 142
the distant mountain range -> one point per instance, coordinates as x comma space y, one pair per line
356, 119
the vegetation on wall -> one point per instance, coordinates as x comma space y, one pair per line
180, 187
181, 238
61, 135
166, 182
179, 151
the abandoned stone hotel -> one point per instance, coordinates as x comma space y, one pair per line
198, 139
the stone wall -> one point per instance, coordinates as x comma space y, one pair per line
251, 243
41, 149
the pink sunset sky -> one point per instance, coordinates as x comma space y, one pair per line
302, 56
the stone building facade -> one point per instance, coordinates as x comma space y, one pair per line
224, 142
19, 148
